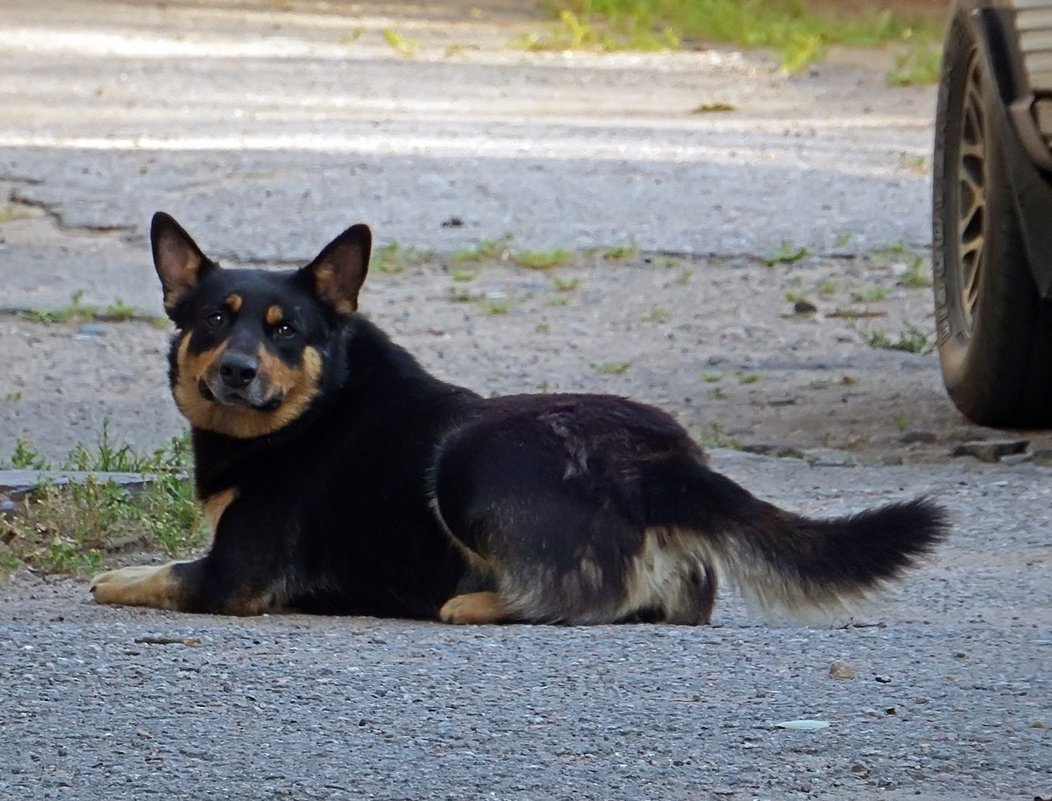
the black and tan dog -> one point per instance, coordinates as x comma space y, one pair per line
340, 477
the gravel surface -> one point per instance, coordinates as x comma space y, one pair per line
950, 697
267, 130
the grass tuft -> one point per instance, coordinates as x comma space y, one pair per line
71, 528
797, 30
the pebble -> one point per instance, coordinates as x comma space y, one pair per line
840, 669
89, 331
990, 450
916, 435
768, 449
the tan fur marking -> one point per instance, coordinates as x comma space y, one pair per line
474, 608
141, 585
234, 302
274, 315
297, 385
657, 576
215, 505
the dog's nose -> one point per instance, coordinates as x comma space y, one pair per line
238, 369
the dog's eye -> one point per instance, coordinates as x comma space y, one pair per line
215, 319
284, 330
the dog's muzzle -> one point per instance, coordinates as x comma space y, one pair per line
236, 381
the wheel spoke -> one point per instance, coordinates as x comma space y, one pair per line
971, 192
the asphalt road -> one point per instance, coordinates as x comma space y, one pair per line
271, 129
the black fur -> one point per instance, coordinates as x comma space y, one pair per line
389, 492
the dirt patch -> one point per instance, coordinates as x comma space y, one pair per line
719, 342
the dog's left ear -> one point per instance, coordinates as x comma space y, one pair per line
339, 270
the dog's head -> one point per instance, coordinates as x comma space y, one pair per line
253, 348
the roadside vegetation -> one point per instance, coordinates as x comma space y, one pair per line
73, 528
798, 31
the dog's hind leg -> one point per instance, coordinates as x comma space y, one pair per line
563, 540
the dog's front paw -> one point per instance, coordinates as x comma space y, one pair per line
142, 585
474, 608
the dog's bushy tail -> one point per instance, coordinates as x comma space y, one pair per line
784, 560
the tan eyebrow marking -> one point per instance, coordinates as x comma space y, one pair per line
274, 315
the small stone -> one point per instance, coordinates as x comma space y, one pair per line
769, 449
883, 679
990, 450
1017, 458
828, 457
804, 307
860, 771
1038, 724
840, 669
916, 435
920, 699
1043, 456
89, 331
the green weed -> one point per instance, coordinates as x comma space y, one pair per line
796, 30
565, 284
919, 64
620, 252
485, 250
786, 254
396, 258
118, 312
26, 457
398, 43
917, 275
827, 287
611, 368
577, 29
714, 108
461, 295
869, 294
77, 311
911, 340
541, 259
495, 307
657, 315
713, 436
18, 211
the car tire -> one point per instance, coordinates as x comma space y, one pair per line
994, 330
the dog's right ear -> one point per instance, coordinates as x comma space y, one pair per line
339, 270
177, 258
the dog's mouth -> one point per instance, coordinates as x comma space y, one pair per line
247, 398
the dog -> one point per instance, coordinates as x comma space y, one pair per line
340, 477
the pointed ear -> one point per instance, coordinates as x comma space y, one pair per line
177, 258
339, 270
